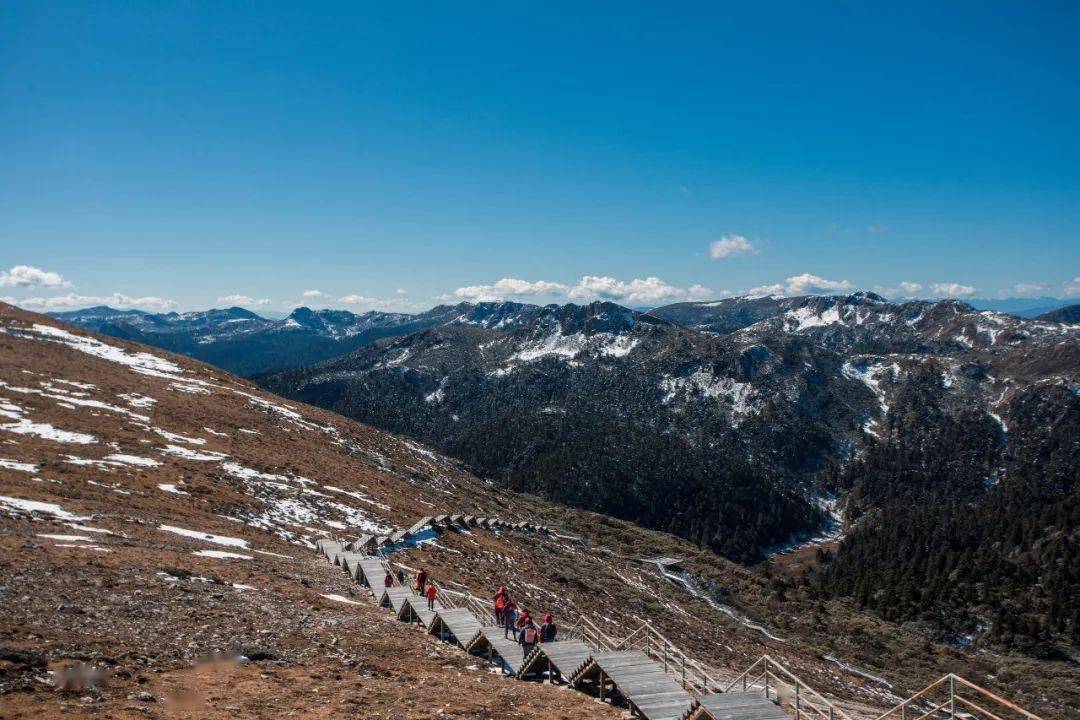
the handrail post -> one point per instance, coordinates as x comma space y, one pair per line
766, 677
952, 697
798, 703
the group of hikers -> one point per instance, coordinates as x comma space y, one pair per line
423, 586
525, 630
522, 625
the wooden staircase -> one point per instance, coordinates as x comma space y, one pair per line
645, 670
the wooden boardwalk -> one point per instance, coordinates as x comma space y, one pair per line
455, 625
490, 642
737, 706
559, 659
611, 669
397, 598
639, 680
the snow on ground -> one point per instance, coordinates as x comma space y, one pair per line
439, 393
684, 580
20, 466
171, 488
831, 531
190, 389
215, 432
142, 362
175, 437
82, 546
358, 496
189, 454
555, 343
67, 538
290, 500
222, 554
67, 398
137, 400
18, 506
25, 426
805, 317
617, 345
132, 460
209, 537
871, 374
712, 386
341, 599
85, 528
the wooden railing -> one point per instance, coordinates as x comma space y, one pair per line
787, 690
483, 612
694, 675
952, 696
586, 631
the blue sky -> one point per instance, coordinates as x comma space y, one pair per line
391, 155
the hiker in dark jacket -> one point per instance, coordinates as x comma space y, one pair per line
548, 630
509, 618
421, 581
401, 576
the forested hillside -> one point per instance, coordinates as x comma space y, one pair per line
968, 535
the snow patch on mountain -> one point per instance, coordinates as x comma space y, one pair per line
26, 426
806, 317
708, 384
871, 374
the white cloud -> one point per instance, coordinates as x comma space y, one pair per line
905, 288
650, 290
877, 229
72, 301
700, 292
401, 291
29, 276
243, 300
373, 303
313, 294
505, 289
731, 246
766, 290
951, 290
1025, 290
1071, 287
807, 284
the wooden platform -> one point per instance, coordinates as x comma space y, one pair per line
455, 625
370, 571
737, 706
565, 658
490, 642
396, 598
641, 681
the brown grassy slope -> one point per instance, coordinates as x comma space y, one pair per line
118, 607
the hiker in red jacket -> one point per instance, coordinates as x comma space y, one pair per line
431, 593
501, 599
388, 581
548, 630
525, 619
